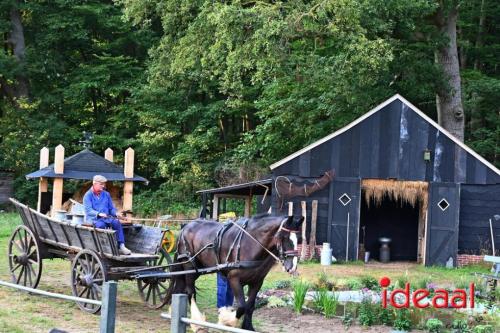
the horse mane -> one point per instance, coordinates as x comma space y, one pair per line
261, 215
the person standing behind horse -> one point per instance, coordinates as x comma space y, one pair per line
99, 210
225, 295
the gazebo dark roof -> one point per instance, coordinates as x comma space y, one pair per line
85, 165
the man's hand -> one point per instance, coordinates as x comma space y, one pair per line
102, 215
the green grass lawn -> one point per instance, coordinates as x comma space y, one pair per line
21, 312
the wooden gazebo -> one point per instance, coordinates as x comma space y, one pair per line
82, 166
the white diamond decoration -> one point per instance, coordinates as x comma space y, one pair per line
344, 199
443, 204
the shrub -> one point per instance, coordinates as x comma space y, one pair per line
434, 325
385, 317
366, 314
326, 302
347, 320
324, 282
299, 294
422, 283
460, 326
462, 283
369, 282
275, 302
401, 281
318, 298
402, 320
483, 329
353, 284
283, 284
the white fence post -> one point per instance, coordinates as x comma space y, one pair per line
179, 310
108, 309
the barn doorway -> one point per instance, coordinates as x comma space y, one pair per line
396, 210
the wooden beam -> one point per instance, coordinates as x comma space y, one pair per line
312, 236
57, 189
304, 228
42, 182
108, 154
128, 186
215, 207
248, 206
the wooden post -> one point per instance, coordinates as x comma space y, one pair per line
303, 253
179, 310
43, 183
108, 154
57, 188
108, 309
248, 206
312, 236
128, 186
215, 207
290, 208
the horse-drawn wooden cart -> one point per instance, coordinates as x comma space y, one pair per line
93, 254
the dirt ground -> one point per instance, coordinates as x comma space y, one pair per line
285, 320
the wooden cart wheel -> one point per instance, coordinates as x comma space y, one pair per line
168, 241
87, 278
25, 263
153, 290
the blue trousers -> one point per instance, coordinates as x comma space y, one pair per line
103, 223
224, 292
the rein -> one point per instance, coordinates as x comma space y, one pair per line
259, 243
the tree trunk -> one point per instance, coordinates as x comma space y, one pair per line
18, 89
19, 47
449, 96
479, 39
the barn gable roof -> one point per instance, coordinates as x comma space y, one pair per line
372, 112
85, 165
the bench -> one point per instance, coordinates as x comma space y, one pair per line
491, 279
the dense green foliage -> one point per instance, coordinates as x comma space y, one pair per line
210, 93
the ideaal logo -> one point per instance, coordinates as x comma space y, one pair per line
442, 298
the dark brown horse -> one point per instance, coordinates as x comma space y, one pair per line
275, 234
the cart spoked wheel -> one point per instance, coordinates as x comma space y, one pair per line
25, 263
153, 289
87, 279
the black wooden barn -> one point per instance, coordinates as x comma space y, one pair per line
400, 175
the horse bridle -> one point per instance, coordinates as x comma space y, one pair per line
283, 255
279, 244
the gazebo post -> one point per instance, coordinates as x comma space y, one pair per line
57, 189
128, 186
43, 183
248, 206
108, 154
215, 207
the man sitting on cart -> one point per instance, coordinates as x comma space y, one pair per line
99, 210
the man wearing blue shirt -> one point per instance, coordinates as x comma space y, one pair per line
99, 210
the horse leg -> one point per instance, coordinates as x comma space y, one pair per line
239, 295
250, 306
190, 285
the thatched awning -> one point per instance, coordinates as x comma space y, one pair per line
411, 192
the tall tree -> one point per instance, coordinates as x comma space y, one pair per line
15, 87
450, 110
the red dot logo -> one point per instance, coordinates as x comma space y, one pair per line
385, 282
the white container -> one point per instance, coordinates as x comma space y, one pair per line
60, 215
77, 219
326, 255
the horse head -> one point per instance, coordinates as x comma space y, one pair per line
287, 242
